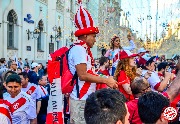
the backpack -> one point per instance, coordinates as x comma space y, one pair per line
58, 67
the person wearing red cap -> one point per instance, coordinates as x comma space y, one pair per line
126, 72
113, 53
148, 64
81, 61
141, 52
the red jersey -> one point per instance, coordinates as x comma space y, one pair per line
133, 111
101, 86
124, 79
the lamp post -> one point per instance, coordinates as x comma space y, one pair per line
35, 33
28, 33
51, 36
56, 30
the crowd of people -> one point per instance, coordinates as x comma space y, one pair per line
120, 88
25, 88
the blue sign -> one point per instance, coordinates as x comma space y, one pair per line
28, 19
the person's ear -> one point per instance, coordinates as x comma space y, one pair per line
85, 36
4, 84
119, 122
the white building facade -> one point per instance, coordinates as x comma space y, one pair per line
34, 28
21, 21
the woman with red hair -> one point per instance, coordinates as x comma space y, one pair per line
125, 73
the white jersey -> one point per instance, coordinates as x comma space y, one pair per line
5, 115
43, 91
32, 90
153, 80
22, 108
78, 55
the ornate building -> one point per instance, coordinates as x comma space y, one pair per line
33, 29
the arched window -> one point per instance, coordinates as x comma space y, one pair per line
12, 19
39, 40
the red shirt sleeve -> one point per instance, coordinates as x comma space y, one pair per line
122, 78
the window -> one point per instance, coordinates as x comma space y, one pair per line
12, 18
39, 40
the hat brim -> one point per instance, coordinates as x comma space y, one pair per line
133, 55
151, 59
86, 31
145, 51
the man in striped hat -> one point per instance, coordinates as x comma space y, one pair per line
81, 62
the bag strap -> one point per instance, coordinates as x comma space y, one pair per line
61, 65
61, 62
75, 80
77, 85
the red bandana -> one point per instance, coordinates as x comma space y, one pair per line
83, 44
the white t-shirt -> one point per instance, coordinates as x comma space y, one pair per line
23, 108
32, 90
153, 80
78, 55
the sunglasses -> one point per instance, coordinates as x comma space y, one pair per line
147, 88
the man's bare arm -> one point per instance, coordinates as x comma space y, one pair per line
174, 88
84, 76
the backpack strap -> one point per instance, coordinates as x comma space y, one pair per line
77, 85
61, 62
75, 80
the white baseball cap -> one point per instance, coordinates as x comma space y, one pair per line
34, 64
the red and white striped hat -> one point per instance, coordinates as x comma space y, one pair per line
126, 54
84, 22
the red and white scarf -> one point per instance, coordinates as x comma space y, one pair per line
83, 44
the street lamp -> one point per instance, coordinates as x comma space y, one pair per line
28, 33
35, 33
56, 30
